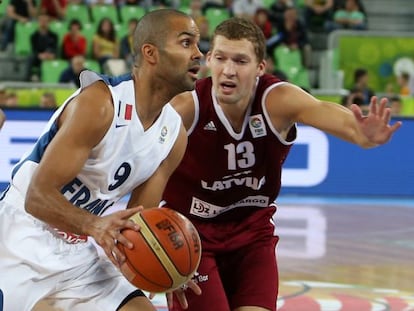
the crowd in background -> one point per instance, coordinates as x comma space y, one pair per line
284, 23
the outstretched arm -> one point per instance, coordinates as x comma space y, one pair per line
287, 104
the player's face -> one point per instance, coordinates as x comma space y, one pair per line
234, 68
180, 58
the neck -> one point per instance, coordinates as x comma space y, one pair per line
150, 97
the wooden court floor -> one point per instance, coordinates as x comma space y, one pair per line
343, 255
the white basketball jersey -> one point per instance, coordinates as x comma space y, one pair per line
124, 159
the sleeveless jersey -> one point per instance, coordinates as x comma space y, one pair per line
227, 175
124, 159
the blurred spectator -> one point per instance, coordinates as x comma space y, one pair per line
196, 9
356, 97
261, 18
126, 48
44, 43
3, 97
361, 79
292, 33
71, 74
403, 81
105, 44
48, 101
2, 118
317, 14
350, 16
204, 43
246, 8
74, 43
17, 11
11, 100
204, 27
395, 103
55, 9
277, 10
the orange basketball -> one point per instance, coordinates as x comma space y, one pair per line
166, 252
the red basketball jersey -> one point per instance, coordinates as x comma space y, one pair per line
224, 174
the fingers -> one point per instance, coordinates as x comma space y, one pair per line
357, 112
373, 105
396, 126
169, 297
194, 287
182, 299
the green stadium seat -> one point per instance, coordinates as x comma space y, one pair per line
22, 34
300, 78
93, 65
77, 11
129, 11
215, 16
51, 70
99, 12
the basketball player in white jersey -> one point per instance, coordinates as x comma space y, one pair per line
112, 137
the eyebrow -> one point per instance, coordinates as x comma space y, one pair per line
187, 33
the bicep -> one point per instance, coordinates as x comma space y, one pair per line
69, 149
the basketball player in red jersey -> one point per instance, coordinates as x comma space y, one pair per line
241, 124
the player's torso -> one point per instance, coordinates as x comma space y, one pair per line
125, 158
224, 171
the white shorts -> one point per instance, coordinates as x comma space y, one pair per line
36, 264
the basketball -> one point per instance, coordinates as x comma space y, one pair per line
166, 252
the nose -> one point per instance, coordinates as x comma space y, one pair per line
229, 68
197, 53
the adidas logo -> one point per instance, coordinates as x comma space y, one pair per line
210, 126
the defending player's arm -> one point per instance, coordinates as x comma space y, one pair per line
287, 104
82, 125
184, 105
149, 194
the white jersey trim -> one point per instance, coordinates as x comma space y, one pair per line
196, 112
268, 119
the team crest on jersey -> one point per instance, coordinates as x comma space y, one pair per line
163, 135
257, 126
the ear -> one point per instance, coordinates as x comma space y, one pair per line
149, 53
208, 58
261, 69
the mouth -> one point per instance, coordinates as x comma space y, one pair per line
227, 86
193, 71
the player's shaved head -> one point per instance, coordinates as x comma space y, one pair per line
153, 28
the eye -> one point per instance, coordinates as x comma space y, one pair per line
186, 43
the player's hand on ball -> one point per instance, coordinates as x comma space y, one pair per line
180, 293
106, 231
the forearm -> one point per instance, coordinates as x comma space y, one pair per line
51, 207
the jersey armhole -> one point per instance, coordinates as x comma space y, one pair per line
268, 119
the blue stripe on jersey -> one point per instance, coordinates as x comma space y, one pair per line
114, 81
39, 148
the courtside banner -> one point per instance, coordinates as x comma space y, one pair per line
318, 164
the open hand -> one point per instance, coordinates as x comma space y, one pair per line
376, 124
